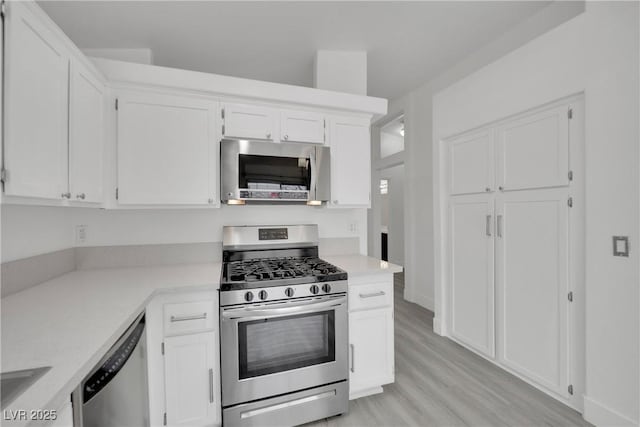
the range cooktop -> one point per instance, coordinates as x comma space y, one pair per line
278, 271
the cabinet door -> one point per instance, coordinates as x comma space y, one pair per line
471, 223
36, 77
167, 150
533, 151
86, 134
350, 162
64, 416
249, 121
532, 284
471, 163
371, 360
190, 380
302, 126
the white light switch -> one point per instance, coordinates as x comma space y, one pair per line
621, 246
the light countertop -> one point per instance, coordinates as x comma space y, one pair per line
356, 265
71, 321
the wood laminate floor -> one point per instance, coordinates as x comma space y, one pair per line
439, 383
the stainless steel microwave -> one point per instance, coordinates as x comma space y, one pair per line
266, 172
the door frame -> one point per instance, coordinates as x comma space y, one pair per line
576, 311
378, 164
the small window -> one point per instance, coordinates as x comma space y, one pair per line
384, 186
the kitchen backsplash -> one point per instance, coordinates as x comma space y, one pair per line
33, 230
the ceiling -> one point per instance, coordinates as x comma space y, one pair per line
407, 43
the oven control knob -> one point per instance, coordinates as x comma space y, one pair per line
248, 296
263, 294
326, 288
314, 289
289, 292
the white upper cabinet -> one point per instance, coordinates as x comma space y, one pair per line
302, 126
471, 163
534, 150
350, 162
249, 121
471, 270
36, 79
86, 135
167, 150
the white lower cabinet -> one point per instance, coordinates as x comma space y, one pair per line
371, 343
189, 379
183, 362
64, 416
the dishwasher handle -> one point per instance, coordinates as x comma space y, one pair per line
114, 360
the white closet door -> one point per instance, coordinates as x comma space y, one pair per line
471, 271
533, 152
471, 163
532, 284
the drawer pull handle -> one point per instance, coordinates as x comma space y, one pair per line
353, 360
192, 317
373, 294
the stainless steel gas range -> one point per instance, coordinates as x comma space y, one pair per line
283, 328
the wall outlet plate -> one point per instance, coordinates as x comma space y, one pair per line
81, 234
621, 246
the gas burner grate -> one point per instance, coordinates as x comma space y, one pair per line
278, 268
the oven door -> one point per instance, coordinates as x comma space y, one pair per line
276, 348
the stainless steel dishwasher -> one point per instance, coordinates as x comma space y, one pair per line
114, 394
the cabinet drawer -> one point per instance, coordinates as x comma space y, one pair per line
372, 295
188, 317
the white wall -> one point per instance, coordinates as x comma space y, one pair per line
596, 53
390, 144
341, 71
395, 213
420, 239
30, 230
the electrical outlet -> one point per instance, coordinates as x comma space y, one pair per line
81, 234
353, 227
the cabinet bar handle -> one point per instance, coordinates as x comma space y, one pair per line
499, 225
192, 317
210, 385
373, 294
353, 361
488, 226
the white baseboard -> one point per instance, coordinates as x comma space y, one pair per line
437, 326
600, 415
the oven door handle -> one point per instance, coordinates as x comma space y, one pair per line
260, 313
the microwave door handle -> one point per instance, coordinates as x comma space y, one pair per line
255, 313
313, 190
